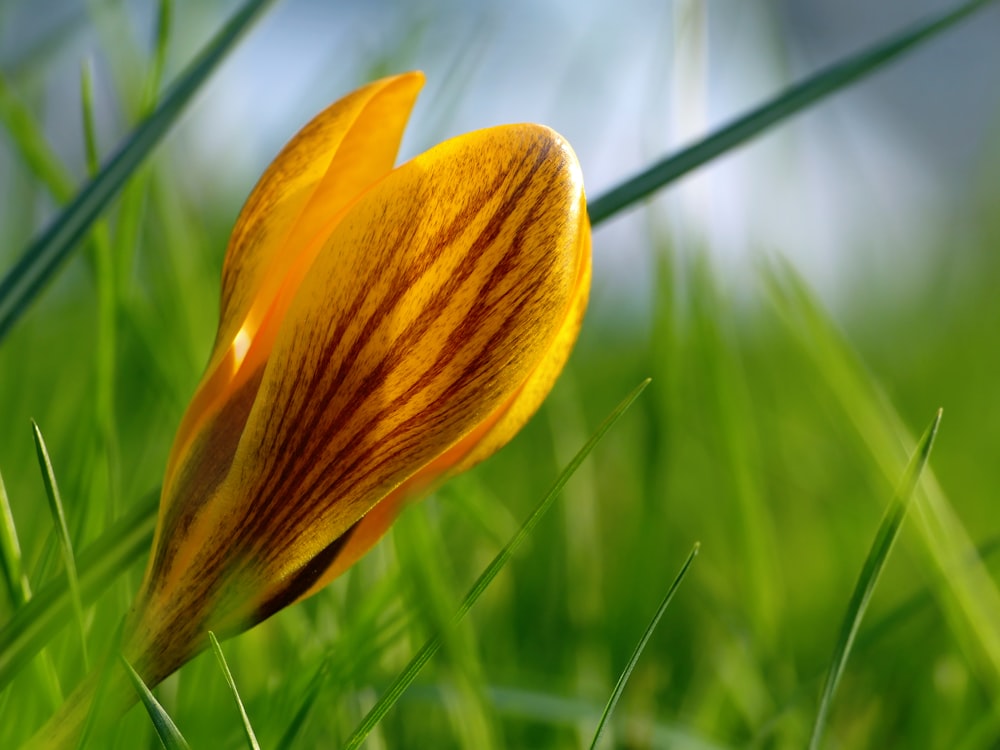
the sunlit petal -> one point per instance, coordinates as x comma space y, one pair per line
450, 282
479, 444
332, 160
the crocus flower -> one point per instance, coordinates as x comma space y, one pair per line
380, 329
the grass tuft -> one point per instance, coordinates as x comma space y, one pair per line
108, 557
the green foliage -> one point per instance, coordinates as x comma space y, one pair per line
773, 430
616, 694
166, 730
878, 554
247, 728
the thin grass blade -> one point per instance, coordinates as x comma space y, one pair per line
48, 251
432, 646
89, 128
62, 533
348, 656
878, 553
247, 728
19, 590
641, 646
288, 739
30, 144
108, 557
164, 18
166, 730
970, 594
10, 554
793, 100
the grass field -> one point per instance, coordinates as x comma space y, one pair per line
774, 433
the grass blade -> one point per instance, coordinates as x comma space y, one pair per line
109, 556
247, 728
19, 590
62, 532
432, 646
793, 100
969, 592
10, 554
164, 17
47, 252
305, 706
640, 647
166, 730
877, 555
30, 144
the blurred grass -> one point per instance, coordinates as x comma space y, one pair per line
772, 433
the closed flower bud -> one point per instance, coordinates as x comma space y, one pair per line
381, 329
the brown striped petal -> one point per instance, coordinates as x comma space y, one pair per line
484, 440
322, 170
430, 306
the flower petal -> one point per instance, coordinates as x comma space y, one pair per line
482, 442
325, 167
432, 303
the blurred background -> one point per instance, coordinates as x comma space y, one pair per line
803, 304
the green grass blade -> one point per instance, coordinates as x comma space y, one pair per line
793, 100
641, 646
968, 591
62, 532
19, 590
164, 17
89, 129
10, 554
166, 730
47, 252
29, 142
877, 555
247, 728
432, 646
108, 557
287, 741
374, 636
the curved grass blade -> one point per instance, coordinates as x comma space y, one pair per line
166, 730
877, 555
19, 590
247, 728
640, 647
432, 646
109, 556
793, 100
47, 251
62, 532
10, 554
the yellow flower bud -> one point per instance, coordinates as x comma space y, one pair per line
381, 328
